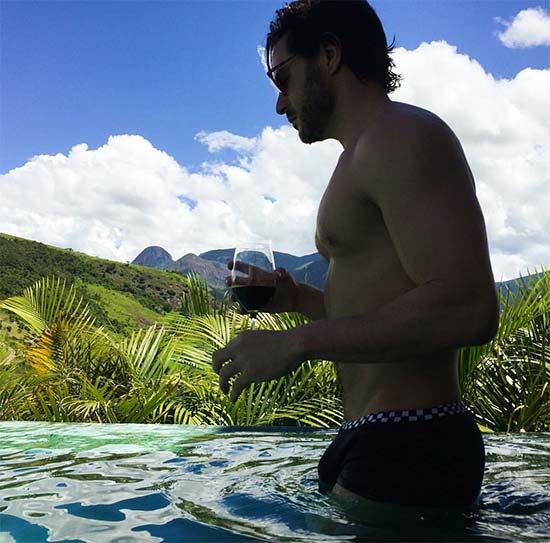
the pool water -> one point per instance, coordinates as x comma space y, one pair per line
131, 483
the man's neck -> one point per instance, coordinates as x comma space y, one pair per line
357, 106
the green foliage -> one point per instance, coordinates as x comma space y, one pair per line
197, 300
119, 311
307, 397
506, 382
144, 294
71, 369
74, 371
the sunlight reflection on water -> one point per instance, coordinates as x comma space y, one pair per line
104, 483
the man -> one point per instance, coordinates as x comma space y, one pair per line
409, 279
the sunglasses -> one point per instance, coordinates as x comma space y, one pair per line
272, 74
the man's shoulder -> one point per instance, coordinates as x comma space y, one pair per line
404, 133
402, 124
404, 143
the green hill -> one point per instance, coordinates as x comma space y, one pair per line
121, 296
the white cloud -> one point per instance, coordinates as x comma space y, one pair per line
225, 140
116, 200
529, 28
260, 50
504, 127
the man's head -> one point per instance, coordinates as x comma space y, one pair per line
312, 40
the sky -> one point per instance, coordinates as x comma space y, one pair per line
125, 124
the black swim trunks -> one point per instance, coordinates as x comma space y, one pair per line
433, 457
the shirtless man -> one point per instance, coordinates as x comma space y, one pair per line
409, 279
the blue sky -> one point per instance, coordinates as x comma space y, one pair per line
128, 124
79, 71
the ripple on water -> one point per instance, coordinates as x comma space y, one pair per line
106, 483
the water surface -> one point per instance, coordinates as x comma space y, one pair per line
131, 483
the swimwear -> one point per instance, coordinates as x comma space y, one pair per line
431, 457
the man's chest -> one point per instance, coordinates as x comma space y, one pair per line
348, 222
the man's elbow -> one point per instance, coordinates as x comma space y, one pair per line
485, 319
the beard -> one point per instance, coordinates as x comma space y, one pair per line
317, 108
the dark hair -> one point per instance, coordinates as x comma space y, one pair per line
354, 22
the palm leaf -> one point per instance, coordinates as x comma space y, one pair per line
508, 385
41, 304
502, 380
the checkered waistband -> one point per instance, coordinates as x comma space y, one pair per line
408, 415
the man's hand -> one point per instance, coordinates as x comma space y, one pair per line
257, 355
286, 288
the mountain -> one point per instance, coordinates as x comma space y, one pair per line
312, 268
154, 257
212, 265
119, 295
213, 271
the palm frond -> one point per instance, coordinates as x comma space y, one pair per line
13, 390
147, 353
198, 299
42, 304
524, 310
505, 381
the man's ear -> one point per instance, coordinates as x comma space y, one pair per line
331, 52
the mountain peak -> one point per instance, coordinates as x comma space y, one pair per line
155, 257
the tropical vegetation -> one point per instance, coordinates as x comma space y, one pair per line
70, 368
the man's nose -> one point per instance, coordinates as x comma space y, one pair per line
281, 105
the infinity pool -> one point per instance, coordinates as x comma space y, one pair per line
132, 483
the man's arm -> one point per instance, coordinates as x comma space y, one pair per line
310, 301
419, 178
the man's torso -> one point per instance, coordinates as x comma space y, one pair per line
364, 273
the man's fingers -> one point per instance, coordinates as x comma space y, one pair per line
219, 357
239, 266
228, 371
253, 272
238, 385
237, 281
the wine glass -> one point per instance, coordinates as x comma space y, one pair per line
253, 277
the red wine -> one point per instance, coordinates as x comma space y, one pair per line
253, 298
